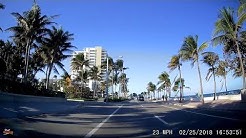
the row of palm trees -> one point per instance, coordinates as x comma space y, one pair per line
115, 70
228, 32
35, 45
117, 76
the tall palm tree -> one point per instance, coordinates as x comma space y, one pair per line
163, 80
119, 66
190, 51
221, 71
123, 83
211, 59
174, 64
168, 87
79, 63
161, 88
54, 46
151, 87
31, 27
111, 66
228, 28
94, 74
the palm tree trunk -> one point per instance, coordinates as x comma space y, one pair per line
82, 80
115, 90
48, 77
27, 53
241, 64
225, 83
214, 84
201, 88
120, 88
94, 89
181, 85
113, 83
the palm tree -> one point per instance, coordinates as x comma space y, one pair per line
54, 46
221, 71
174, 64
37, 63
228, 29
79, 63
119, 67
151, 87
211, 59
66, 81
190, 51
11, 60
123, 83
163, 80
161, 88
94, 74
177, 84
31, 27
111, 67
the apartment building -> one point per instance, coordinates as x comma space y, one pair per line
96, 55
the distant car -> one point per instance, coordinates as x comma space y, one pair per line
141, 98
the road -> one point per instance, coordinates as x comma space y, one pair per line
128, 119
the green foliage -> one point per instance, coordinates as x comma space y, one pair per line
27, 89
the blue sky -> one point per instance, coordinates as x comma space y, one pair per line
145, 32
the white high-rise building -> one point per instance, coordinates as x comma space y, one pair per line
96, 55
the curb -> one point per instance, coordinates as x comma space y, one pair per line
207, 108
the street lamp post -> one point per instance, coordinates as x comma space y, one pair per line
107, 80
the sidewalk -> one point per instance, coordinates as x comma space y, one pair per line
225, 105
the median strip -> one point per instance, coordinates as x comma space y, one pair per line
93, 131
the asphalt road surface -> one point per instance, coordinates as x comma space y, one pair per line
129, 119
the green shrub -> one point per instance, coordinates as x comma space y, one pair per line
117, 99
27, 89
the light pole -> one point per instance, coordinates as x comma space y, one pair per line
107, 80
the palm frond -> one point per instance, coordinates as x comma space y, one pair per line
241, 10
2, 6
202, 47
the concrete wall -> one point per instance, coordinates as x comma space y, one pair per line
9, 97
225, 97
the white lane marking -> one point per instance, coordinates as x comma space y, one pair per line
161, 120
204, 114
100, 125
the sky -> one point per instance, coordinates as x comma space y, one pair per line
145, 32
